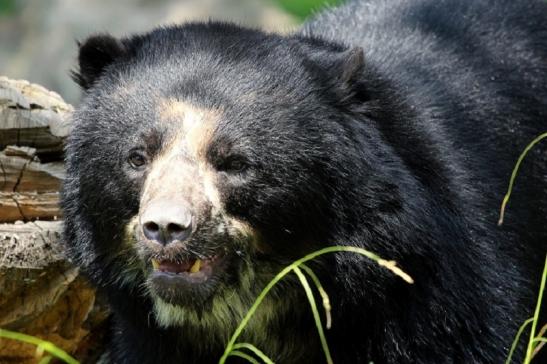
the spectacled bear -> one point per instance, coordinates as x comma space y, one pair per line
206, 157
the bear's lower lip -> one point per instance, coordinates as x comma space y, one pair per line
190, 266
182, 284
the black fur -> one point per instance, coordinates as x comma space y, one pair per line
389, 125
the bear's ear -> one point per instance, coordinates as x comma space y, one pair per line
346, 67
95, 53
341, 69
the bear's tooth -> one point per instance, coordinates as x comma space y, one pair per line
195, 268
155, 264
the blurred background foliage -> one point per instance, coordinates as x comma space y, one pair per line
37, 37
7, 7
303, 8
299, 8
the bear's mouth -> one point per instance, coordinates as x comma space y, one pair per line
190, 281
193, 270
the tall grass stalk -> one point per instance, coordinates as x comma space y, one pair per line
517, 339
315, 311
296, 268
322, 293
533, 341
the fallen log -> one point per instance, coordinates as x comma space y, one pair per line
41, 293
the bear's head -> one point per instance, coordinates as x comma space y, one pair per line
204, 158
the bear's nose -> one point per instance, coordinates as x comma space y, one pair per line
165, 222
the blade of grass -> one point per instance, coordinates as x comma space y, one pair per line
250, 313
255, 350
514, 175
46, 345
245, 356
530, 348
331, 249
322, 292
315, 312
517, 339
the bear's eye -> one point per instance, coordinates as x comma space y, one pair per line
234, 164
137, 159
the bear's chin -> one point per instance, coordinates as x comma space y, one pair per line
221, 309
179, 291
168, 314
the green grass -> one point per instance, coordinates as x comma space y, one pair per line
298, 267
304, 8
41, 347
535, 342
514, 174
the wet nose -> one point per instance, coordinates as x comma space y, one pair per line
165, 222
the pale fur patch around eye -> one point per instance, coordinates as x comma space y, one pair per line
191, 129
198, 124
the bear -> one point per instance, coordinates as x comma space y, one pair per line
206, 157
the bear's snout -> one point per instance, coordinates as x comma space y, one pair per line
165, 221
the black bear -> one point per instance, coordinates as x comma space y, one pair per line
206, 157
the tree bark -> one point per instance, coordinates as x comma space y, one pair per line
41, 293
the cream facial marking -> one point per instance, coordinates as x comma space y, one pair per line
197, 124
195, 182
129, 236
181, 174
211, 191
193, 128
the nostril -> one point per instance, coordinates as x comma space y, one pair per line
152, 227
175, 229
151, 230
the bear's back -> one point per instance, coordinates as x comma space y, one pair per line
474, 72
